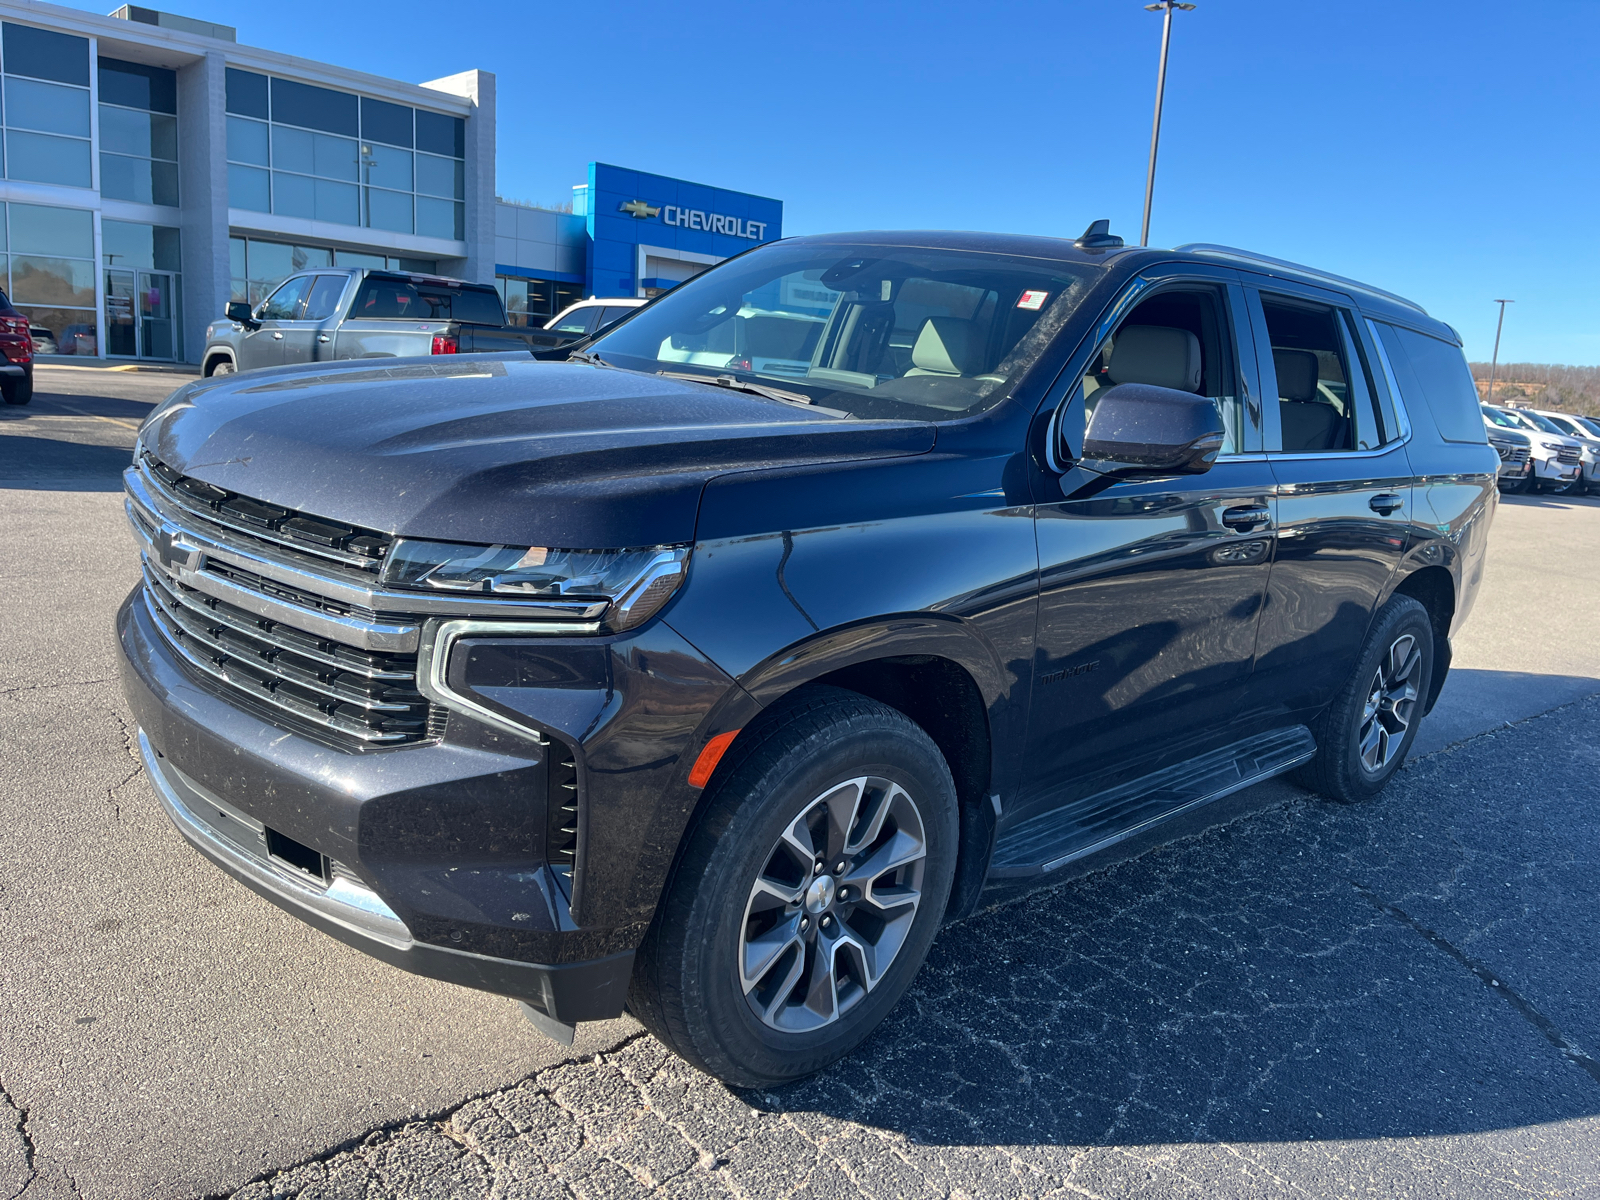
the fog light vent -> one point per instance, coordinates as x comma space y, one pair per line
562, 835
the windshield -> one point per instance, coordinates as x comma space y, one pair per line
874, 331
1538, 422
1567, 426
1504, 420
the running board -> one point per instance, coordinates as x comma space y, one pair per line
1075, 830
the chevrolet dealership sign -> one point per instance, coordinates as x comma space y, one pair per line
694, 218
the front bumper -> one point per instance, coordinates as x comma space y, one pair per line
1549, 468
355, 914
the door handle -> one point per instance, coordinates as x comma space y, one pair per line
1246, 517
276, 336
1386, 503
322, 337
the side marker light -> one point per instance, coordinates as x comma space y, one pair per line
700, 775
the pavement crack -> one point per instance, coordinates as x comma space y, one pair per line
30, 1152
48, 687
1546, 1027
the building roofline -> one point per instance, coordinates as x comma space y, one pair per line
192, 46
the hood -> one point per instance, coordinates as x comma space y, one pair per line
497, 450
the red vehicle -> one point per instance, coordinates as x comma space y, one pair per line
16, 354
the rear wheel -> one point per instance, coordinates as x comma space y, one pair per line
17, 390
807, 895
1366, 732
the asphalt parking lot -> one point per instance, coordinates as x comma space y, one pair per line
1294, 998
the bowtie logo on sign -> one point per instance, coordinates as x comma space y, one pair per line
694, 218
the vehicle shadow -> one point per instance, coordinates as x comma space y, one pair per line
1288, 976
1546, 500
31, 463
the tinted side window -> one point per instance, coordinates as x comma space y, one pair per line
1433, 375
473, 306
325, 295
579, 320
284, 304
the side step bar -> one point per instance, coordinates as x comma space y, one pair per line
1081, 828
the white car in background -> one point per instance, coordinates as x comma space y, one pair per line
591, 316
1557, 461
1515, 448
1576, 427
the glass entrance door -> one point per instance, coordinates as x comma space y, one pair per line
122, 329
155, 315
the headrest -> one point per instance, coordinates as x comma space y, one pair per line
944, 347
1156, 355
1297, 374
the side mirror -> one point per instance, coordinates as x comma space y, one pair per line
239, 310
1141, 429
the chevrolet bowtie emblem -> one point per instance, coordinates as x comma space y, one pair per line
640, 209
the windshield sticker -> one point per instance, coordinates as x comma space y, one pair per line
1032, 300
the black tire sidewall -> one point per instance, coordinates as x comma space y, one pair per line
747, 818
1345, 778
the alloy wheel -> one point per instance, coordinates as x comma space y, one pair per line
831, 908
1391, 704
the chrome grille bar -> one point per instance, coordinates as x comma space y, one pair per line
191, 497
268, 663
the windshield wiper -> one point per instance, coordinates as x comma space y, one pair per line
740, 385
583, 356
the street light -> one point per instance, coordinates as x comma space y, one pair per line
1164, 6
1495, 361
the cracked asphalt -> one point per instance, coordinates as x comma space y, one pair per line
1288, 998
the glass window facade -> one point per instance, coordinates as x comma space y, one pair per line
47, 265
44, 104
138, 132
258, 266
326, 155
532, 302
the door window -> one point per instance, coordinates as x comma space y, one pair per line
611, 314
1176, 339
579, 320
285, 303
1325, 391
324, 298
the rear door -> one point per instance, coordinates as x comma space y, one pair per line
1151, 589
1344, 488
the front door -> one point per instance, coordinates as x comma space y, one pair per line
1344, 490
122, 321
156, 323
1151, 589
310, 338
263, 346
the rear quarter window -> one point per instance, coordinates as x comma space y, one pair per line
387, 298
1433, 375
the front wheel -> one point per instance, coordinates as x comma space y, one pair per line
223, 366
1366, 732
807, 894
1515, 486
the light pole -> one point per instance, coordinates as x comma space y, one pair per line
1495, 361
1162, 6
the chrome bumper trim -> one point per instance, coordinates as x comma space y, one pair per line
345, 902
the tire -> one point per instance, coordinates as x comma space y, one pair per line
746, 892
1360, 747
17, 391
223, 366
1573, 488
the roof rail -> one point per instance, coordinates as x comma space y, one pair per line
1251, 256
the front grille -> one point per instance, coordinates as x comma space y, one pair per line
213, 510
1569, 456
1509, 453
356, 698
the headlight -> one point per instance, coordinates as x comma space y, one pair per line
1553, 445
635, 583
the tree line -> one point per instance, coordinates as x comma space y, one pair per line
1543, 385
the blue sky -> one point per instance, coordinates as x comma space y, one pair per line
1444, 151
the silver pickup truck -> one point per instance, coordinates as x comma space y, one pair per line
328, 314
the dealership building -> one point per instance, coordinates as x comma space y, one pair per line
152, 169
